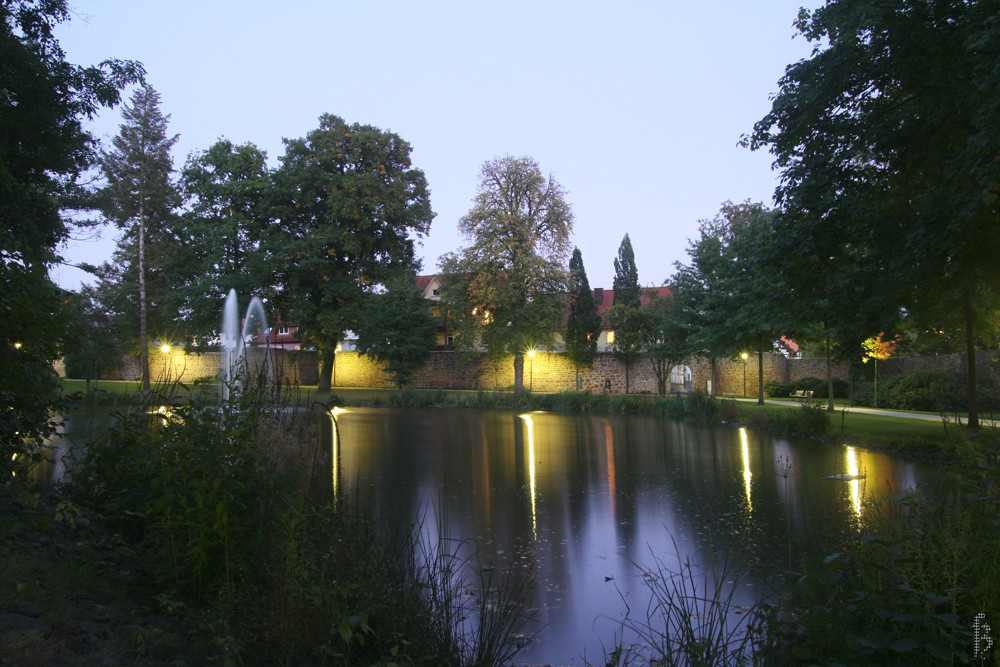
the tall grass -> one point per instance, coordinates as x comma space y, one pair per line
240, 529
693, 618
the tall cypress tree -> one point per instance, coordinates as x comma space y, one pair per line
626, 283
583, 326
140, 196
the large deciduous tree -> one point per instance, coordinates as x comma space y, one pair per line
730, 297
886, 138
348, 207
225, 188
140, 198
44, 103
583, 324
507, 288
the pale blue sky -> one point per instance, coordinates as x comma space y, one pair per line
635, 107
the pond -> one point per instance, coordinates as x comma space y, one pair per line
589, 503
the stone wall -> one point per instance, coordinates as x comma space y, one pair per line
293, 367
545, 372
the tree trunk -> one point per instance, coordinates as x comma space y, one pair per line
875, 400
712, 363
626, 376
326, 361
760, 376
518, 372
970, 353
143, 340
829, 378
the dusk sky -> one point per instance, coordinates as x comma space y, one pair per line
636, 108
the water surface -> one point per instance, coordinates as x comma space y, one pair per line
590, 502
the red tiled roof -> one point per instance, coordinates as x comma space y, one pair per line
605, 298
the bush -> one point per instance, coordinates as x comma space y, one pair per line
775, 389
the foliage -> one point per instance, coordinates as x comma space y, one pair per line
506, 291
626, 280
398, 330
818, 387
225, 189
693, 618
348, 206
139, 198
241, 531
730, 297
633, 328
94, 349
667, 344
583, 324
809, 420
887, 163
934, 390
44, 148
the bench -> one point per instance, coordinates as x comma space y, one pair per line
802, 393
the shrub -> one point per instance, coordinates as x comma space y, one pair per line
775, 389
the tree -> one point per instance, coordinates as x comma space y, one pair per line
583, 325
507, 289
347, 206
633, 327
886, 143
43, 150
667, 345
875, 349
626, 280
630, 326
398, 329
225, 189
94, 348
730, 296
140, 198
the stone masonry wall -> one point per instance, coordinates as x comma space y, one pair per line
546, 372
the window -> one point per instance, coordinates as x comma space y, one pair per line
283, 331
611, 338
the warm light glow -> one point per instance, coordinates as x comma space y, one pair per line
164, 348
611, 337
335, 454
17, 346
531, 471
744, 355
531, 353
746, 465
853, 472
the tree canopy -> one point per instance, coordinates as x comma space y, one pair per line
583, 324
44, 103
507, 288
225, 188
398, 330
886, 140
140, 197
348, 206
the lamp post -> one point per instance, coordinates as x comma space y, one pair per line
744, 356
531, 385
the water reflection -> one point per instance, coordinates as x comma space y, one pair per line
747, 475
583, 500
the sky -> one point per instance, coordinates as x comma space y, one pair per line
635, 107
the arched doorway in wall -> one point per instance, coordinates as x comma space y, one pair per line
681, 379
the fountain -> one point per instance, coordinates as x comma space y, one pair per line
233, 362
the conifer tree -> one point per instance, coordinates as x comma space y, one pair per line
583, 326
140, 196
626, 282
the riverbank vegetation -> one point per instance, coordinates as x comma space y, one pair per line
230, 515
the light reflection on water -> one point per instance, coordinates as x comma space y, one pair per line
588, 501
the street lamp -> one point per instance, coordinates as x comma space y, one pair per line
531, 355
744, 355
